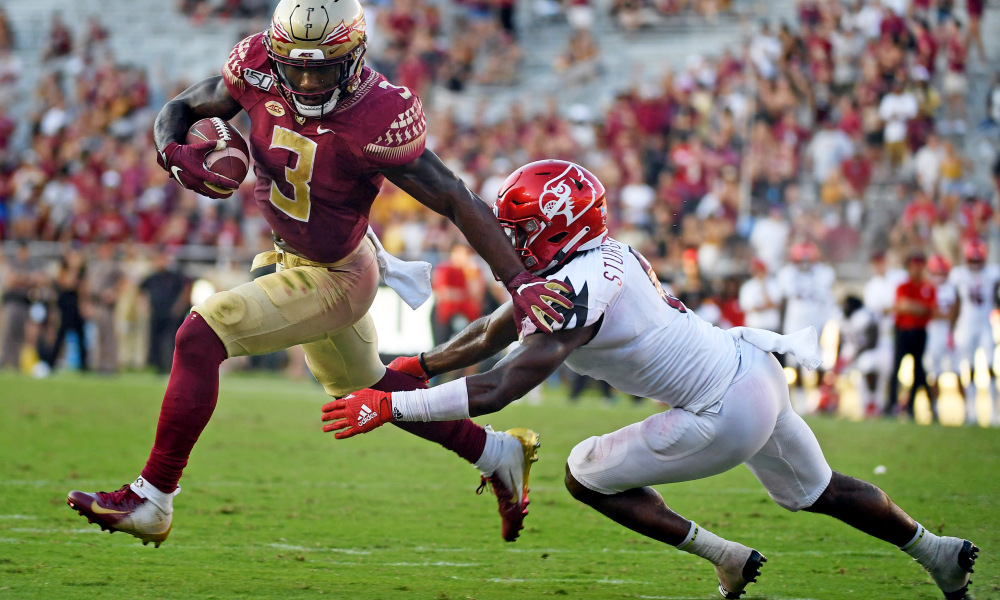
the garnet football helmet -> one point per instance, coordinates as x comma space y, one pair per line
975, 251
550, 209
317, 49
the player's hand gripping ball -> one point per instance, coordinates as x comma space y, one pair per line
233, 160
213, 162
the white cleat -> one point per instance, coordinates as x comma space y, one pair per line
510, 479
739, 568
951, 566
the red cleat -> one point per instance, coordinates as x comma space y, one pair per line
123, 510
510, 481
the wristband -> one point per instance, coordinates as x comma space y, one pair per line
423, 365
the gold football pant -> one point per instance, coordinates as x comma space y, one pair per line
322, 306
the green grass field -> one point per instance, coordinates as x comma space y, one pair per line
273, 508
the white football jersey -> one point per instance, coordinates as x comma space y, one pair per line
648, 343
809, 295
754, 297
975, 292
946, 297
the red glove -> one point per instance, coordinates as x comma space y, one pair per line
412, 366
359, 412
533, 297
186, 164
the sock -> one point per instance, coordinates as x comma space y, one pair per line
492, 453
144, 489
463, 437
923, 547
703, 543
188, 403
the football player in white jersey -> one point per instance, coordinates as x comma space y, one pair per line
729, 399
858, 347
879, 297
976, 285
940, 356
807, 295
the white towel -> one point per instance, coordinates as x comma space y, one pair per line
410, 279
803, 344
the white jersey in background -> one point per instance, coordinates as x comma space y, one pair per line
754, 297
938, 354
880, 295
975, 291
809, 296
648, 343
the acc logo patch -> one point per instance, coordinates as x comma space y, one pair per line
258, 79
275, 108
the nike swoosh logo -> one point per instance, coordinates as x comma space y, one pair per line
321, 131
176, 173
97, 509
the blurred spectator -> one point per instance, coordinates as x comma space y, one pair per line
975, 10
106, 283
955, 82
20, 276
458, 290
167, 294
6, 31
70, 285
896, 110
60, 39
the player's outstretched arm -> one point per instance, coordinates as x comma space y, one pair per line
480, 340
186, 162
435, 186
529, 365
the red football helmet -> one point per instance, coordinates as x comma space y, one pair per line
938, 265
550, 209
804, 252
975, 251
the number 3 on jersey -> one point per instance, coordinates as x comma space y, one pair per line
298, 206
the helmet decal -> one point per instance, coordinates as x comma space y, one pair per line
341, 34
278, 32
557, 195
319, 24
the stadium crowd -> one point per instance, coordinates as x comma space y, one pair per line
779, 150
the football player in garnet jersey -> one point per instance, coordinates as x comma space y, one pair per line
325, 132
728, 394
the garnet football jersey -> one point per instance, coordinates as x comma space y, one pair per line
648, 343
317, 178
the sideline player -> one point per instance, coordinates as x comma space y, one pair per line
976, 284
325, 132
858, 348
807, 292
729, 396
940, 331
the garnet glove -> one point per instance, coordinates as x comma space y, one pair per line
359, 412
533, 297
186, 164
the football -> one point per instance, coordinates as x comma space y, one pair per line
233, 161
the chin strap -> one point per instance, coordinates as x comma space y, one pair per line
315, 112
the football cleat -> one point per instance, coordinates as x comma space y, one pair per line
510, 480
740, 567
951, 569
123, 510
